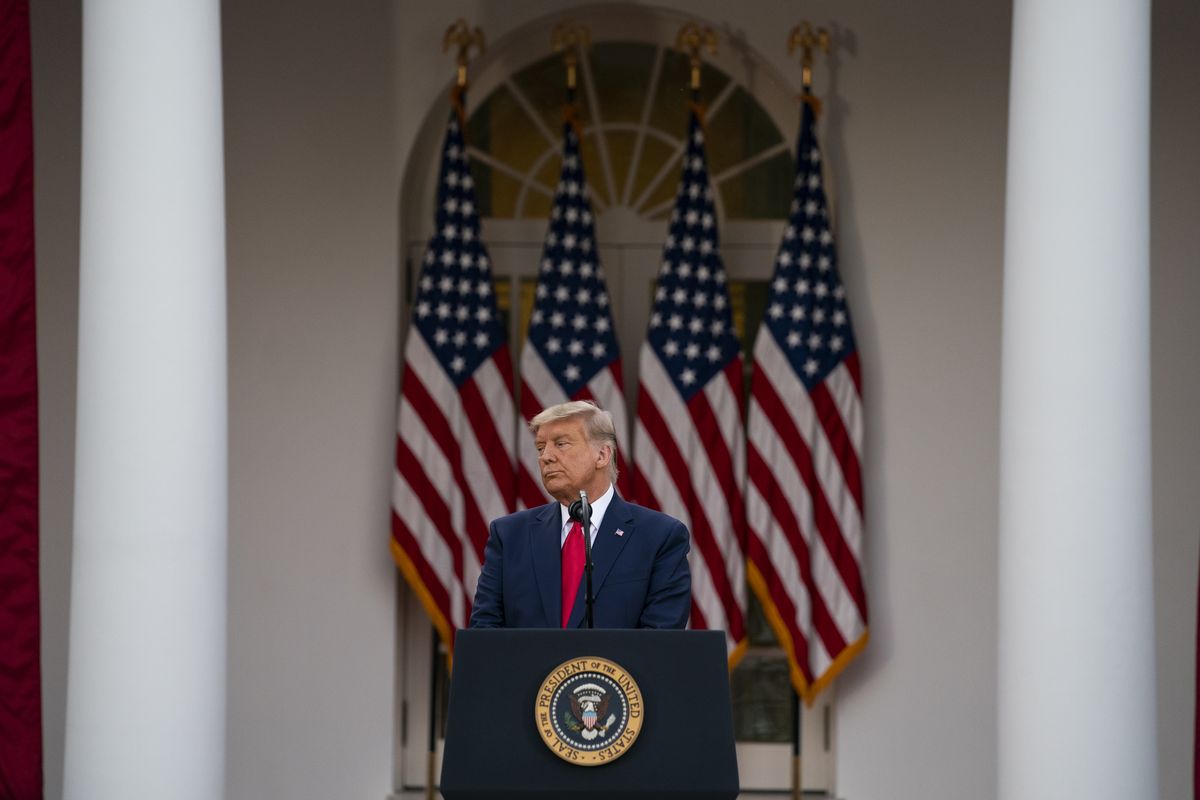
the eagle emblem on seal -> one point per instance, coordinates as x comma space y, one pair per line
589, 711
589, 705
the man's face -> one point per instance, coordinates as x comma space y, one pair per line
569, 461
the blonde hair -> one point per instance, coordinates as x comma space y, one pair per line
597, 424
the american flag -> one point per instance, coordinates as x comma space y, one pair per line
571, 353
455, 465
804, 494
689, 446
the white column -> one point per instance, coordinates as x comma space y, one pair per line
146, 685
1076, 643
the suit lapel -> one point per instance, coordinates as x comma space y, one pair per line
545, 545
605, 550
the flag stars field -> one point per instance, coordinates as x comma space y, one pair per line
456, 280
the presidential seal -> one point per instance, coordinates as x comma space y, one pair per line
589, 711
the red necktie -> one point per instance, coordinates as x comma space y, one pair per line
572, 569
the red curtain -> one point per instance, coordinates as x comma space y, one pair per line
20, 667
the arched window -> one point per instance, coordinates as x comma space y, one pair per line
634, 94
634, 99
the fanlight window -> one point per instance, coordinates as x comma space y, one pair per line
634, 101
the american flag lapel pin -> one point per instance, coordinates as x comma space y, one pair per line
620, 532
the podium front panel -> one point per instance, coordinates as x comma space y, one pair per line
494, 749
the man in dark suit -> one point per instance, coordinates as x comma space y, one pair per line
533, 565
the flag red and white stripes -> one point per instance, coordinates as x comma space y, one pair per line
804, 492
689, 455
455, 461
689, 444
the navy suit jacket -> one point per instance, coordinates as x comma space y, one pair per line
640, 576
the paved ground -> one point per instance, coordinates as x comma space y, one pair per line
755, 796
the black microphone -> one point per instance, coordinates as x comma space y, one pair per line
575, 510
581, 512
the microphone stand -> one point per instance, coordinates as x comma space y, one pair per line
585, 519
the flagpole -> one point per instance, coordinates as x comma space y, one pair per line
461, 35
796, 787
570, 38
807, 39
693, 40
433, 711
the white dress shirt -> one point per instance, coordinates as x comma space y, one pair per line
599, 506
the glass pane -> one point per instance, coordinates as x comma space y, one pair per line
762, 698
762, 192
500, 197
670, 109
665, 191
654, 153
502, 129
479, 126
537, 205
620, 153
737, 306
548, 174
593, 167
749, 309
758, 630
525, 290
500, 288
620, 71
739, 129
748, 302
442, 702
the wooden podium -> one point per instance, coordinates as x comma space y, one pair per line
513, 691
